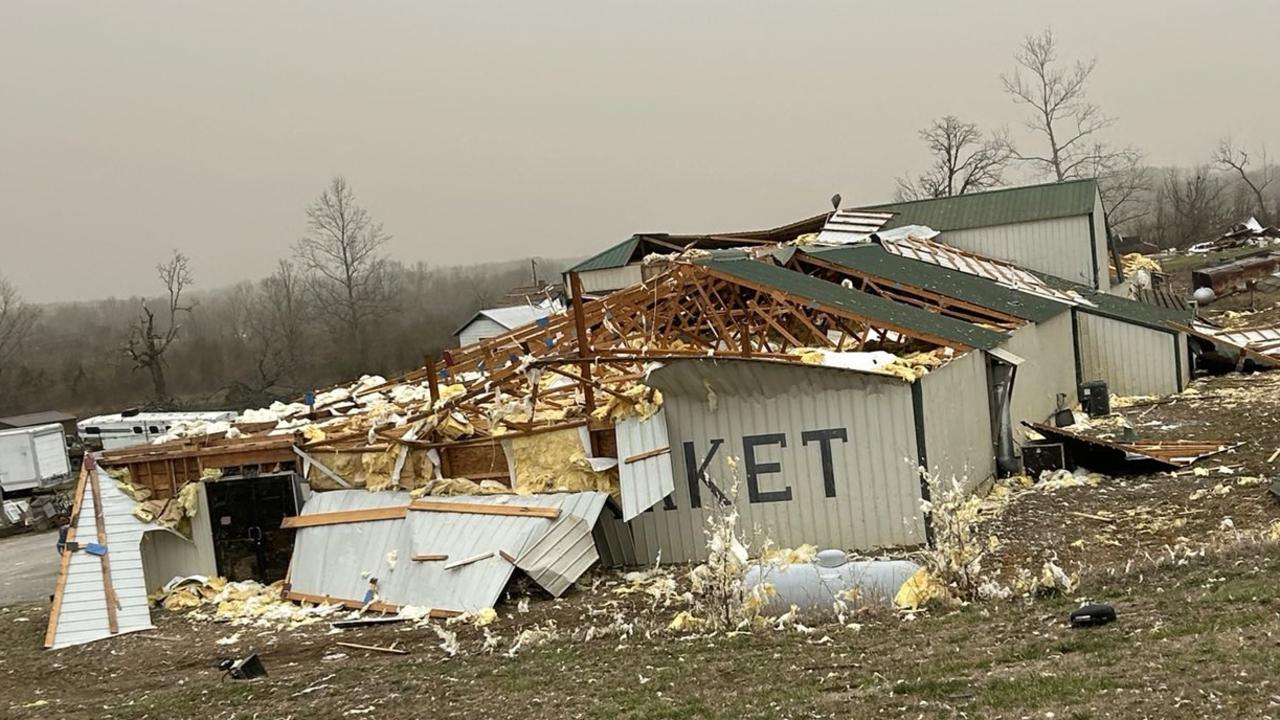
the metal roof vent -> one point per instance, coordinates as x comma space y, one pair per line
831, 558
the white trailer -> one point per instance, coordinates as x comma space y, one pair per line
33, 458
119, 430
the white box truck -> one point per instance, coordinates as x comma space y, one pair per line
33, 458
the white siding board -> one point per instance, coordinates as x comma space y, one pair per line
646, 482
1059, 247
1133, 359
957, 421
83, 614
166, 554
877, 491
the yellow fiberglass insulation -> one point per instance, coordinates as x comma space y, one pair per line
556, 462
638, 403
372, 470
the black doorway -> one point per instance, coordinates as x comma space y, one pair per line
246, 514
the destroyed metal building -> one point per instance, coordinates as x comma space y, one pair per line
804, 373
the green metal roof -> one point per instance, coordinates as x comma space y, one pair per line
1121, 308
875, 309
872, 259
614, 257
995, 207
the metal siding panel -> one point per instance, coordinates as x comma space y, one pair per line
877, 491
1049, 370
1134, 360
1060, 247
337, 560
957, 421
84, 614
1099, 220
644, 482
559, 557
595, 281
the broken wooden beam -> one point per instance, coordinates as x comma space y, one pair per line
537, 511
395, 512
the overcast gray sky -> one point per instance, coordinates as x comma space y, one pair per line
483, 131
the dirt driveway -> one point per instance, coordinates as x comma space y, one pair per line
28, 567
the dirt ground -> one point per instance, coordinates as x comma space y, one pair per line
1198, 633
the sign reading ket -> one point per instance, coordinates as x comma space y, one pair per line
697, 461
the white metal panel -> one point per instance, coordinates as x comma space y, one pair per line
609, 279
1099, 220
1133, 359
83, 614
338, 560
17, 462
479, 329
559, 557
644, 482
166, 554
1049, 370
1062, 247
957, 421
866, 494
51, 454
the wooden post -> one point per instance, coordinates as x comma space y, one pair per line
99, 519
584, 350
433, 382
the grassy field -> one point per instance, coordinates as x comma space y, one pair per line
1193, 640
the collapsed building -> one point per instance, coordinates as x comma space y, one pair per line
804, 375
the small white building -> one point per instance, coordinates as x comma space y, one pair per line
492, 322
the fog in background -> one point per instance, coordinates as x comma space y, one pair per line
481, 131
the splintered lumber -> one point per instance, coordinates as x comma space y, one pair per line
647, 454
430, 558
468, 561
360, 605
100, 520
375, 648
395, 512
538, 511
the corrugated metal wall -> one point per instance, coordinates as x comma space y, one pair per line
957, 421
479, 329
1133, 359
1060, 247
866, 495
610, 279
1050, 368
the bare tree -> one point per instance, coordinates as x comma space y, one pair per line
270, 320
1195, 198
964, 160
342, 251
148, 341
1236, 159
16, 320
1071, 126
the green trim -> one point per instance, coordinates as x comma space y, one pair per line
612, 257
1079, 351
1006, 206
1093, 253
922, 454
